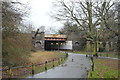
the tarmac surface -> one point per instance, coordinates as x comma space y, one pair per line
76, 66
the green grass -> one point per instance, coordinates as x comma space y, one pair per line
104, 71
49, 66
39, 69
93, 75
36, 58
107, 54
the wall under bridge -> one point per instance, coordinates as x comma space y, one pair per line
58, 45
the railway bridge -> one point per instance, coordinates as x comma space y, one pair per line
43, 41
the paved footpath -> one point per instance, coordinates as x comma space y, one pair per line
76, 69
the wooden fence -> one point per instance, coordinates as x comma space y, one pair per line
24, 71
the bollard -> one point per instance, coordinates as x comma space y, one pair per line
53, 63
9, 71
72, 59
33, 69
45, 65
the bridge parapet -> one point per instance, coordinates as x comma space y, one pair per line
55, 37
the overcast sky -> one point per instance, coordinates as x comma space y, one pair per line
39, 14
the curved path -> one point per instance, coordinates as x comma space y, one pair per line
76, 69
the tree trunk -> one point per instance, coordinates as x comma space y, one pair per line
95, 47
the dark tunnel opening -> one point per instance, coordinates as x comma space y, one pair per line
52, 45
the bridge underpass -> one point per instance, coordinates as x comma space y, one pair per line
53, 45
52, 42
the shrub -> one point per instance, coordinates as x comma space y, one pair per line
16, 49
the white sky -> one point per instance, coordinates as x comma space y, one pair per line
39, 14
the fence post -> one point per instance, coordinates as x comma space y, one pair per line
65, 58
66, 55
33, 69
45, 65
53, 63
62, 58
9, 72
59, 61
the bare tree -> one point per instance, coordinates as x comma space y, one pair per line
12, 17
90, 12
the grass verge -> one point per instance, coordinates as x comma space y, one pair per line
37, 58
42, 56
105, 68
